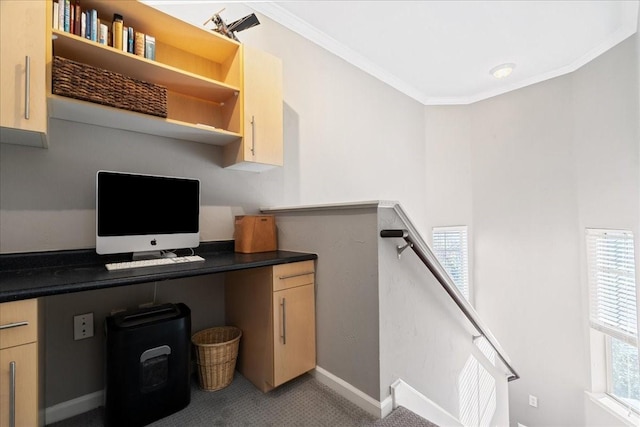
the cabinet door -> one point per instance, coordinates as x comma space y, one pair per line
262, 143
23, 114
23, 380
294, 348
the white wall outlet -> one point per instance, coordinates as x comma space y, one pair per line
82, 326
533, 401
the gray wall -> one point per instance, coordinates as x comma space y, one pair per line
426, 341
75, 368
342, 128
347, 331
533, 168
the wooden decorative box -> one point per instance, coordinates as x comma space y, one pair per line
87, 83
255, 233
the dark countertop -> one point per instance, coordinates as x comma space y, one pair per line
39, 274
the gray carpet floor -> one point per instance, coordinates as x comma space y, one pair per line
301, 402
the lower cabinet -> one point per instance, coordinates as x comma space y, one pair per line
19, 382
275, 309
18, 364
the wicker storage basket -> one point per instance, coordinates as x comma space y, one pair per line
216, 353
87, 83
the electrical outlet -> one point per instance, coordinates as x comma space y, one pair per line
82, 326
533, 401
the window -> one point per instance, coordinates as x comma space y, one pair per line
613, 309
450, 246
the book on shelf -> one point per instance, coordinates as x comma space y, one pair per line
131, 40
125, 38
67, 6
56, 15
94, 25
61, 15
139, 43
117, 31
72, 18
83, 25
104, 34
77, 30
150, 47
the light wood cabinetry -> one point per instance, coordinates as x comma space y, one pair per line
219, 92
19, 363
23, 53
262, 145
201, 70
275, 309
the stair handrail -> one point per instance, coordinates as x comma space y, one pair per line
414, 241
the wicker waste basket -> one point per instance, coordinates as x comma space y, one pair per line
216, 353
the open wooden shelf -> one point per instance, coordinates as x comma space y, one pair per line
88, 52
96, 114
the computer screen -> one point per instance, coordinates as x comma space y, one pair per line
140, 213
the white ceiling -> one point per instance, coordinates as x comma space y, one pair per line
440, 52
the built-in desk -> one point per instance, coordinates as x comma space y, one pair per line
26, 278
40, 274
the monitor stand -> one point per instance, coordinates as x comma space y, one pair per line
146, 255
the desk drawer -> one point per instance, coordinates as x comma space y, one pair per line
18, 322
287, 276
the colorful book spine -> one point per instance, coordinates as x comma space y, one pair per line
150, 47
78, 19
139, 44
94, 25
88, 29
72, 18
131, 39
67, 6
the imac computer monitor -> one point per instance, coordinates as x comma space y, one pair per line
146, 213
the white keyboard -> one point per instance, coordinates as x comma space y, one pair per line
152, 262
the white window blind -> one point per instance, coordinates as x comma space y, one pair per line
612, 289
450, 246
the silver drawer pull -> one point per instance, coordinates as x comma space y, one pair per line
284, 321
13, 325
27, 86
12, 394
294, 275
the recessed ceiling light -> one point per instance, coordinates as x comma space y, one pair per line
502, 70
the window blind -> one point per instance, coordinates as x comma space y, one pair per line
450, 246
612, 289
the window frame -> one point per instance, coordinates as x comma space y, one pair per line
602, 360
458, 228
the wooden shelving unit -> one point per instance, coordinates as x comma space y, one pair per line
201, 70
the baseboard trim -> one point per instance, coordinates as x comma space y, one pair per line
354, 395
73, 407
405, 395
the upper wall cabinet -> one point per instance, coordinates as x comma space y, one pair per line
262, 145
211, 92
23, 54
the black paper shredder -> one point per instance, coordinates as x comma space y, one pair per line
147, 364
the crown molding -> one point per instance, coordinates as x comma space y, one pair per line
304, 29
